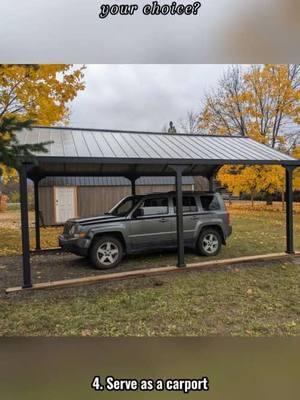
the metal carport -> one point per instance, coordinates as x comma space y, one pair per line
93, 152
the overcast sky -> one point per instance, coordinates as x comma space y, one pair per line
141, 97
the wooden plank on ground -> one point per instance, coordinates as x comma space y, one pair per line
46, 250
151, 272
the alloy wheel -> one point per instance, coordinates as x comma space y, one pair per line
210, 243
107, 253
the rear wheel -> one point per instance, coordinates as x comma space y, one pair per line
106, 252
209, 242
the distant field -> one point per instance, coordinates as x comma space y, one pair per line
246, 206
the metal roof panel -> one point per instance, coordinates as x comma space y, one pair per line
87, 146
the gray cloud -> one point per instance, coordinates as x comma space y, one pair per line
140, 97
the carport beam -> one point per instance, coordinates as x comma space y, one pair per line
25, 227
289, 210
133, 187
179, 215
37, 215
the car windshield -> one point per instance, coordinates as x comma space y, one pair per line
125, 206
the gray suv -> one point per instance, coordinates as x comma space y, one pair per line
148, 222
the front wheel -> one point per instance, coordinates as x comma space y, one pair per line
209, 242
106, 252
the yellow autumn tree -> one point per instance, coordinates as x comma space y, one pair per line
252, 180
262, 102
40, 93
296, 154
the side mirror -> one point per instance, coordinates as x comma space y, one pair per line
138, 213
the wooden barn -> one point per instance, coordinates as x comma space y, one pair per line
62, 198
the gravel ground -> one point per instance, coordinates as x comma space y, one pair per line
53, 266
45, 267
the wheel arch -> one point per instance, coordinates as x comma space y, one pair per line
215, 226
117, 234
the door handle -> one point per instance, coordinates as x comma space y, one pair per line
195, 218
163, 220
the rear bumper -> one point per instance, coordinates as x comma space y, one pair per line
226, 233
80, 246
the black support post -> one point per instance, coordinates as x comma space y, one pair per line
25, 227
289, 210
179, 215
211, 183
133, 187
37, 215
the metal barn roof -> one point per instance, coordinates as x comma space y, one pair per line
83, 152
112, 181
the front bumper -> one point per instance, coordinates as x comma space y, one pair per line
79, 246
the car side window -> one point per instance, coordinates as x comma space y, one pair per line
188, 204
210, 202
155, 206
125, 207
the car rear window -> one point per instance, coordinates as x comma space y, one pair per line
210, 202
154, 206
188, 204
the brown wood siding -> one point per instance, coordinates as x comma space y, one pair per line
95, 200
47, 204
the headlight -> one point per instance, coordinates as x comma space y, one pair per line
76, 231
80, 235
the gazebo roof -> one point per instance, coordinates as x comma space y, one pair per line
93, 152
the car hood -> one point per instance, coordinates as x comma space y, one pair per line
95, 220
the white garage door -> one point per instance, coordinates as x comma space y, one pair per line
65, 203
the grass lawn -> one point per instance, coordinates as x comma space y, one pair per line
256, 301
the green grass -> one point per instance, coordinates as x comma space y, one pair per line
257, 301
11, 239
13, 207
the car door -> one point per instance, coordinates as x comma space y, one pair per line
153, 229
190, 218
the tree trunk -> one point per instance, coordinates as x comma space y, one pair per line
269, 200
282, 200
252, 199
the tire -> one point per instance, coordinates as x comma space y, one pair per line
106, 252
209, 242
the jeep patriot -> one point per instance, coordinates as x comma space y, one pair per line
148, 222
